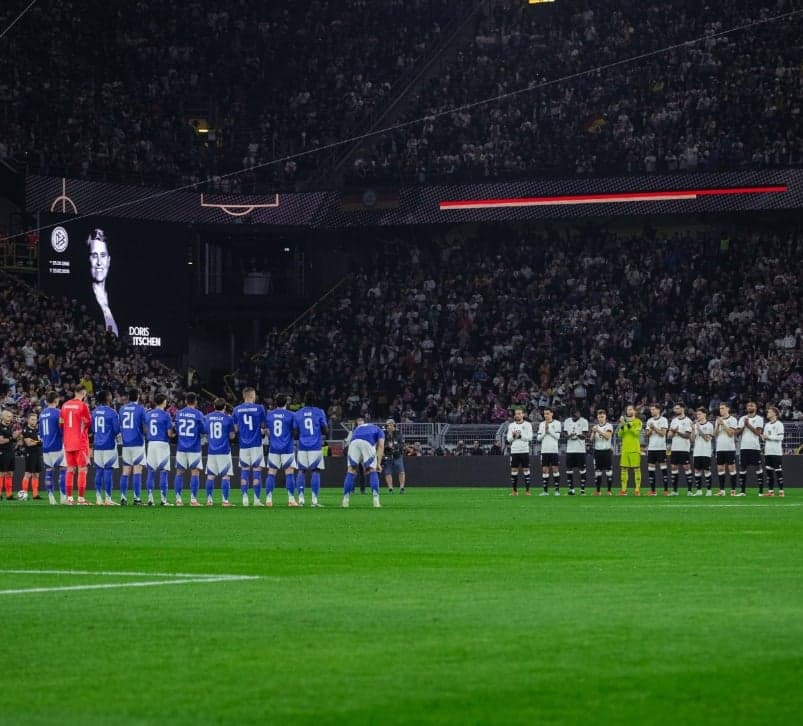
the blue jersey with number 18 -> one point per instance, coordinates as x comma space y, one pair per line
310, 421
249, 417
218, 427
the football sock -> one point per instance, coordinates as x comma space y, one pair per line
742, 479
514, 481
556, 481
178, 482
35, 485
316, 483
779, 478
195, 483
545, 478
300, 480
623, 476
270, 483
257, 484
81, 482
598, 480
210, 486
148, 482
25, 483
49, 480
675, 477
373, 478
225, 486
637, 477
138, 485
698, 481
348, 483
664, 478
163, 483
63, 481
109, 481
68, 481
290, 484
708, 481
760, 480
9, 482
245, 479
98, 480
651, 478
123, 485
527, 480
582, 478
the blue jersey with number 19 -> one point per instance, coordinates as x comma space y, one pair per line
189, 427
310, 421
218, 427
132, 424
105, 427
249, 417
281, 424
50, 430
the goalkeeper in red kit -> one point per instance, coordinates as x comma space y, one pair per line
77, 421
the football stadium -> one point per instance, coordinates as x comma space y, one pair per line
473, 330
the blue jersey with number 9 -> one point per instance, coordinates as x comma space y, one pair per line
310, 421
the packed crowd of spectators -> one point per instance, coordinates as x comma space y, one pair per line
111, 94
52, 344
730, 102
463, 328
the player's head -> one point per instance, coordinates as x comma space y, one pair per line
32, 419
249, 394
576, 414
549, 414
104, 398
52, 398
630, 410
724, 409
133, 395
160, 401
220, 404
701, 414
281, 400
359, 421
655, 410
602, 415
752, 407
390, 425
79, 392
99, 258
518, 415
310, 399
679, 409
772, 413
191, 399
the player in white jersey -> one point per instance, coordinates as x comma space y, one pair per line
725, 441
601, 435
701, 435
655, 432
773, 452
576, 429
680, 434
750, 428
520, 437
549, 436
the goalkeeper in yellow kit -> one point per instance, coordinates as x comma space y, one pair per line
630, 459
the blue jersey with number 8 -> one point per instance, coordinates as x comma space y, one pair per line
281, 424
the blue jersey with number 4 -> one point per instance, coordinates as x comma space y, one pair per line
189, 427
105, 427
218, 427
310, 422
157, 424
132, 424
249, 417
281, 424
50, 430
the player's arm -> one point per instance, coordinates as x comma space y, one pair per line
31, 442
527, 432
509, 434
541, 432
607, 434
380, 452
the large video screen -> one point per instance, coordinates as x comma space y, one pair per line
132, 276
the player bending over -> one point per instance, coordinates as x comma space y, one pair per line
367, 447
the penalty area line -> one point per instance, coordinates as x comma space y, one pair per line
109, 573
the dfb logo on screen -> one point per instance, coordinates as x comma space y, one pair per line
141, 336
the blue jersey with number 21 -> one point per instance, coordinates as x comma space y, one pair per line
132, 424
249, 418
281, 424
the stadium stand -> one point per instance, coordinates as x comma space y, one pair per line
460, 329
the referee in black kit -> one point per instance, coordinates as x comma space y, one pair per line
393, 462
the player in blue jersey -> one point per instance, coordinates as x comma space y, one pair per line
249, 419
220, 432
189, 425
132, 432
159, 430
312, 426
367, 447
105, 428
282, 455
52, 447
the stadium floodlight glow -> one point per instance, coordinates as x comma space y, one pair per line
538, 2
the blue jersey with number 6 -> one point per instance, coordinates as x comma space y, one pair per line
249, 418
310, 421
189, 427
105, 427
218, 427
157, 424
132, 424
281, 424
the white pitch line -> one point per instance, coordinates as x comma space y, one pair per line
110, 586
117, 574
701, 505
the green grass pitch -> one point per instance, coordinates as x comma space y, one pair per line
455, 606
